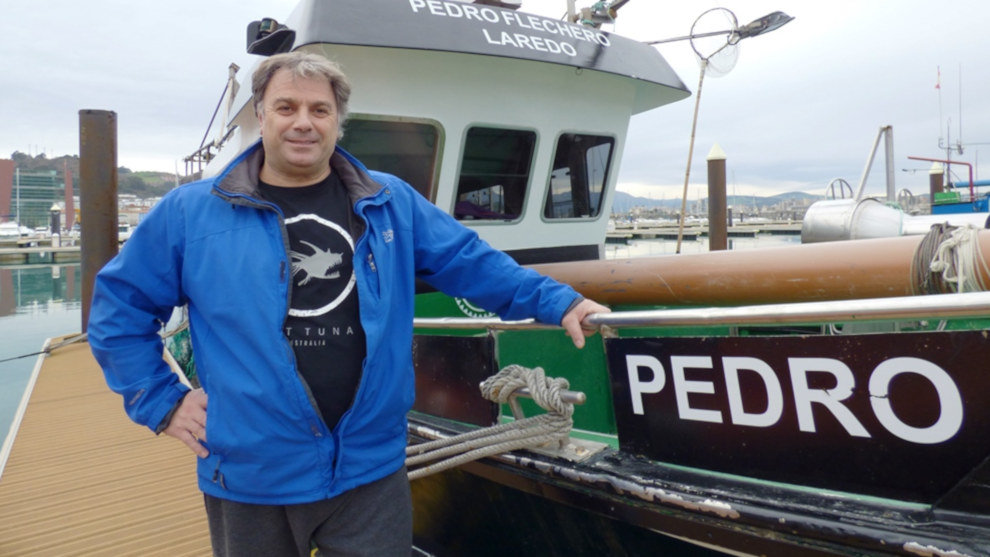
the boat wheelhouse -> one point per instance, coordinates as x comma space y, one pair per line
513, 123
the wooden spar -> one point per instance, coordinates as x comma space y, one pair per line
854, 269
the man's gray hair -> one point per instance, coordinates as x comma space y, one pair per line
305, 65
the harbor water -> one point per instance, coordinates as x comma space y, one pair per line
658, 247
38, 301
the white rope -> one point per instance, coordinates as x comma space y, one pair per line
960, 260
552, 427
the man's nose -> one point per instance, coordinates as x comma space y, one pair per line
303, 119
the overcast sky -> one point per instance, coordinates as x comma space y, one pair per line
801, 106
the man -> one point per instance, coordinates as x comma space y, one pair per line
298, 266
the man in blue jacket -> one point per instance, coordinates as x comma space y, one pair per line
298, 266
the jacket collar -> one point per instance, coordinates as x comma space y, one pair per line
240, 178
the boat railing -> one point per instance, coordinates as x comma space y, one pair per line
939, 306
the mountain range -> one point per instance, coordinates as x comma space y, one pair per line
624, 202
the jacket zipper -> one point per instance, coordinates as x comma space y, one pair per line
218, 476
283, 276
242, 199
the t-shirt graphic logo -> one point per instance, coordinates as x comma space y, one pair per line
321, 265
317, 265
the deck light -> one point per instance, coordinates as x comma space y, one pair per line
266, 37
760, 26
765, 24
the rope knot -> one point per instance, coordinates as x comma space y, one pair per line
552, 427
544, 390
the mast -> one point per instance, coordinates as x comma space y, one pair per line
17, 198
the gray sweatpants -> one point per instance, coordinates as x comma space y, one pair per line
370, 520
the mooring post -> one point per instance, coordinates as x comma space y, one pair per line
97, 197
718, 232
935, 184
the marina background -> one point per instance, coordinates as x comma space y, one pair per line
658, 247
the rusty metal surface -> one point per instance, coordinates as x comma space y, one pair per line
718, 229
846, 270
97, 196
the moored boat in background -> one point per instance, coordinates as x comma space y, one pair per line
846, 215
12, 231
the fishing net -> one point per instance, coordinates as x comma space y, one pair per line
178, 343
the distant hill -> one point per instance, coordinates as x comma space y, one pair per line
146, 184
625, 202
142, 184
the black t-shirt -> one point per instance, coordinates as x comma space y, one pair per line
323, 325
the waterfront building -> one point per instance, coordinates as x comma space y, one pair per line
27, 197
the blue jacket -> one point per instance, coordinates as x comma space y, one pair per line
218, 247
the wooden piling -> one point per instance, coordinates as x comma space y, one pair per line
97, 196
718, 234
935, 185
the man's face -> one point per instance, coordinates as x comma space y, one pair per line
299, 129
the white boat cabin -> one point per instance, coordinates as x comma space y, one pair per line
514, 123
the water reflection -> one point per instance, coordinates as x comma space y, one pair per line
30, 287
657, 247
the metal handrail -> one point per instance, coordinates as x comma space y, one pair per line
940, 306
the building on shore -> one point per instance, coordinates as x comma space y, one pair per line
27, 197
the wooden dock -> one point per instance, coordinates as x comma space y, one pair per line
691, 233
21, 254
82, 479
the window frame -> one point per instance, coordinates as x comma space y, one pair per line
528, 184
609, 169
437, 159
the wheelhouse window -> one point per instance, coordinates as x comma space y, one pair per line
408, 150
495, 173
577, 182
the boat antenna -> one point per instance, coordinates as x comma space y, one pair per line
960, 108
599, 13
717, 52
938, 94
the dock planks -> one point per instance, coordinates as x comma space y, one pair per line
82, 479
20, 255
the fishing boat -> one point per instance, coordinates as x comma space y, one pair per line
963, 197
11, 231
804, 400
849, 215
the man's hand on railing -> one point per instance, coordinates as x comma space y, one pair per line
574, 321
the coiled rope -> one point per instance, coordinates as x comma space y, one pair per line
949, 259
552, 427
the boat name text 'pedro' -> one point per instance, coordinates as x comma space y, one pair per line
521, 27
647, 376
